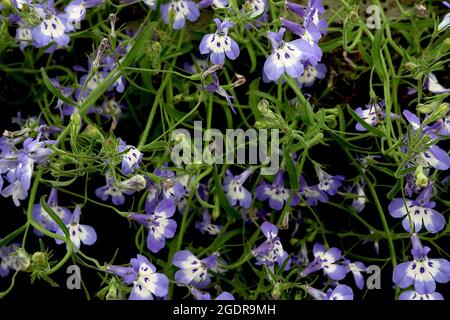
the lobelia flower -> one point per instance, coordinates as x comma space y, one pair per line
147, 283
111, 109
301, 258
327, 260
113, 190
255, 9
52, 28
215, 87
160, 226
277, 194
88, 83
169, 188
151, 4
194, 271
296, 8
63, 108
376, 244
75, 11
188, 183
341, 292
359, 202
21, 165
433, 156
373, 115
131, 157
134, 184
328, 183
444, 126
205, 226
79, 233
310, 75
308, 32
24, 36
37, 150
109, 63
206, 296
314, 17
445, 23
6, 258
286, 57
414, 295
431, 83
418, 212
235, 192
13, 257
19, 179
312, 194
422, 272
356, 269
311, 13
153, 196
44, 219
219, 44
216, 4
410, 183
270, 251
182, 10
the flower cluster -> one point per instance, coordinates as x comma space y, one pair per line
17, 164
100, 153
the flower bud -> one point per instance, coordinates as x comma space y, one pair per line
93, 132
216, 211
277, 291
259, 125
410, 66
211, 70
421, 178
21, 261
439, 113
428, 107
285, 222
100, 52
240, 80
39, 260
112, 293
113, 20
264, 108
447, 43
75, 118
315, 140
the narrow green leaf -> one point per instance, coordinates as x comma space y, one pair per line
60, 183
55, 217
252, 55
48, 83
12, 236
370, 128
292, 171
391, 194
377, 58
